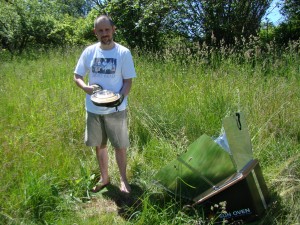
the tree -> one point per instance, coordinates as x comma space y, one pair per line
215, 20
75, 8
267, 31
33, 23
291, 9
290, 28
139, 22
84, 28
23, 22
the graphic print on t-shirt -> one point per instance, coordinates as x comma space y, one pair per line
104, 65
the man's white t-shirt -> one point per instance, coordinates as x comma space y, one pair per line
107, 68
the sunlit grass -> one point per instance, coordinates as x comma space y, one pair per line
46, 169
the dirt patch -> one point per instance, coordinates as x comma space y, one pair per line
99, 205
111, 201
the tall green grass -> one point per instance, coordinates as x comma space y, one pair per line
46, 171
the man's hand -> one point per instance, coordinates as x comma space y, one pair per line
88, 89
119, 102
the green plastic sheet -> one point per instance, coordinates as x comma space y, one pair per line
202, 166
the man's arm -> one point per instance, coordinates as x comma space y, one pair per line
127, 83
80, 83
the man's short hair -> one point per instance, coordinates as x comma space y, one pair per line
103, 17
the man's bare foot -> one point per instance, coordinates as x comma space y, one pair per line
124, 187
99, 186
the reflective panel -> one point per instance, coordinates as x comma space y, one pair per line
238, 139
203, 165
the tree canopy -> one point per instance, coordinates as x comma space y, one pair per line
144, 24
221, 19
290, 29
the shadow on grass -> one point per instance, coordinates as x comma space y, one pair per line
130, 204
275, 212
127, 203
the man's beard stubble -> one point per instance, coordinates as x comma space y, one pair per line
106, 40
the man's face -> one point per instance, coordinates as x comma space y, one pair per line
104, 32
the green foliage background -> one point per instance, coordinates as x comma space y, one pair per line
141, 24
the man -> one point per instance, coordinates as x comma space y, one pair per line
109, 65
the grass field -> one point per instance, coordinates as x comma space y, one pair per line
46, 170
